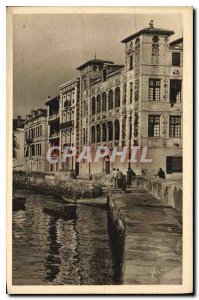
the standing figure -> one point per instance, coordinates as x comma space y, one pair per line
161, 173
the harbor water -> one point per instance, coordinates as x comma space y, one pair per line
51, 250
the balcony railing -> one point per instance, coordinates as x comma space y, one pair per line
67, 124
29, 141
54, 135
53, 117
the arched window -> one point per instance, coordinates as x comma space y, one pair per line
117, 130
93, 134
110, 131
104, 102
104, 132
98, 133
110, 99
98, 104
93, 106
117, 97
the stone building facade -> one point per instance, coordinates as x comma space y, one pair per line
18, 144
138, 104
36, 141
53, 121
69, 124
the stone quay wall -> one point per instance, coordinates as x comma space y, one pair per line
168, 191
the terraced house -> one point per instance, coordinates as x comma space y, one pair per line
138, 103
36, 141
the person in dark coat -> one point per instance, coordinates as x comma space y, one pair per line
161, 173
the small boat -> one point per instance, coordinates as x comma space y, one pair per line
66, 211
98, 202
18, 203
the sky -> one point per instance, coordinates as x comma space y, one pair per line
47, 49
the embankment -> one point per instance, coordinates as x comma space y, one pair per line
53, 186
151, 232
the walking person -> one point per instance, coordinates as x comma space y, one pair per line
119, 178
114, 177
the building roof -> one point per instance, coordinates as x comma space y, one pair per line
68, 83
36, 113
178, 41
18, 123
148, 30
50, 100
94, 61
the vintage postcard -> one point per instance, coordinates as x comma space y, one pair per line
100, 115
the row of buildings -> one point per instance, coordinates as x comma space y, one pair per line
138, 104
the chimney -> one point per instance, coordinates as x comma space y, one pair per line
18, 121
151, 24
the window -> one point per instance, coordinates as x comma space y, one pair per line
117, 130
33, 150
175, 59
104, 75
84, 136
173, 164
110, 99
98, 104
175, 90
104, 102
131, 92
93, 134
110, 131
130, 62
155, 39
104, 132
175, 126
154, 126
93, 106
154, 89
98, 133
117, 97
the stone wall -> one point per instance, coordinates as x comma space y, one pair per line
168, 191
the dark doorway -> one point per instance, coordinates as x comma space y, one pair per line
107, 167
77, 168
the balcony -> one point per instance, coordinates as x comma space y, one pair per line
54, 135
67, 104
29, 141
53, 117
68, 124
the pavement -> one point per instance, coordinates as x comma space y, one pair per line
153, 238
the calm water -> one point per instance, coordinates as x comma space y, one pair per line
51, 250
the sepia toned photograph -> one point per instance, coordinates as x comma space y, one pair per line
100, 144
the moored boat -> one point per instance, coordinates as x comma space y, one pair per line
59, 209
99, 201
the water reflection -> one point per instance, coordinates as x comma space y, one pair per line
52, 260
51, 250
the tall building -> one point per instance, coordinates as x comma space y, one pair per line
69, 123
36, 141
135, 104
53, 121
18, 144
